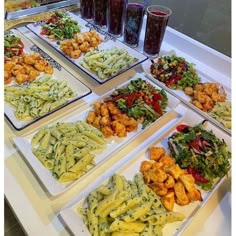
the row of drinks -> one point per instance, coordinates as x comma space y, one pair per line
127, 18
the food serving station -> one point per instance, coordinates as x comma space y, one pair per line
49, 201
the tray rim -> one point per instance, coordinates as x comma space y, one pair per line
76, 201
33, 121
81, 68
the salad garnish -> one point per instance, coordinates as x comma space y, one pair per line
199, 151
13, 46
140, 100
60, 26
175, 72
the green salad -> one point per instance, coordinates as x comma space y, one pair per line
175, 72
60, 26
140, 100
199, 151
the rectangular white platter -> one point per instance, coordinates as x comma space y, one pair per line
108, 42
59, 74
113, 144
205, 77
130, 165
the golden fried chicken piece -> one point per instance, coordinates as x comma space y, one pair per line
155, 175
159, 188
48, 69
17, 69
7, 77
175, 171
79, 38
97, 106
119, 129
167, 161
103, 109
29, 59
21, 78
9, 65
194, 195
33, 74
170, 181
156, 153
145, 166
76, 53
168, 201
96, 122
131, 124
182, 198
40, 65
84, 47
197, 104
105, 121
91, 117
157, 165
112, 108
107, 131
188, 181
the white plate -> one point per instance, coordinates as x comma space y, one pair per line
130, 165
186, 99
59, 74
109, 42
113, 144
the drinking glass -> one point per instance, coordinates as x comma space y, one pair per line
133, 23
100, 12
157, 20
86, 9
116, 9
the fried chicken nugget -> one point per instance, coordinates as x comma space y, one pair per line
112, 108
105, 121
182, 198
168, 201
119, 129
104, 110
96, 122
107, 131
91, 117
156, 153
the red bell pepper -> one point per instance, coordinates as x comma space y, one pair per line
180, 128
197, 176
157, 107
173, 80
156, 96
131, 98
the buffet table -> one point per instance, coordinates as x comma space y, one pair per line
38, 212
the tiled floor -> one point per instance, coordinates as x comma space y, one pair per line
11, 225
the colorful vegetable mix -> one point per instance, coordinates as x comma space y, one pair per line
199, 151
13, 46
60, 26
140, 100
175, 72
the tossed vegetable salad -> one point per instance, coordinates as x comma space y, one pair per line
140, 100
60, 26
13, 46
175, 72
199, 151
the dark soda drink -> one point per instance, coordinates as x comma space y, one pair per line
155, 29
133, 23
87, 9
100, 12
115, 13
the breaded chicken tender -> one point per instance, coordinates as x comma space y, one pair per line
91, 117
119, 129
